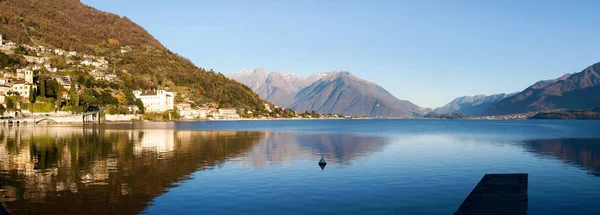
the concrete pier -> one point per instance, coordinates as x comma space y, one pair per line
497, 194
88, 117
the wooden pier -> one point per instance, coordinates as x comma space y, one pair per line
497, 194
2, 210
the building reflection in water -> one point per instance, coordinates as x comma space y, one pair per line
73, 170
583, 153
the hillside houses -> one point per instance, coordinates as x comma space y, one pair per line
36, 60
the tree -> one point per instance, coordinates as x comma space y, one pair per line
122, 98
105, 98
140, 105
32, 93
2, 110
114, 42
42, 86
73, 96
314, 114
10, 105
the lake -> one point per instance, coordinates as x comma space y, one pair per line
270, 167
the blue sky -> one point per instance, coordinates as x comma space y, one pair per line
428, 52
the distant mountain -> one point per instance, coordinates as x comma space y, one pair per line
572, 91
472, 105
280, 88
335, 92
342, 92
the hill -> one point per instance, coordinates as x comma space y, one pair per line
572, 91
73, 26
342, 92
472, 105
572, 114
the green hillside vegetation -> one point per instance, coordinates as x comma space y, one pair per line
71, 25
572, 114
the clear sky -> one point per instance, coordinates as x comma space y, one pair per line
428, 52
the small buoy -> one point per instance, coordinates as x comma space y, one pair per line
322, 161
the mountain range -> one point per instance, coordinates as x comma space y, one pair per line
334, 92
576, 91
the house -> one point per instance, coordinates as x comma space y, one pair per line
156, 100
49, 67
226, 113
65, 81
59, 52
8, 75
32, 59
111, 77
183, 106
72, 54
98, 75
29, 76
37, 67
194, 113
23, 88
86, 62
21, 73
4, 89
5, 81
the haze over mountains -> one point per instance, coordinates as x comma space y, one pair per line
472, 105
571, 91
335, 92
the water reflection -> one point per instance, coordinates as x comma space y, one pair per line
584, 153
70, 170
75, 170
279, 148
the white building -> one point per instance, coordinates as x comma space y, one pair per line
59, 52
226, 113
156, 100
23, 88
4, 89
29, 76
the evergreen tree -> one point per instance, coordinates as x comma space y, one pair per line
10, 105
74, 97
42, 87
32, 93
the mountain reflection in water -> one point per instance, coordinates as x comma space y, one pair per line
583, 153
336, 148
75, 170
69, 170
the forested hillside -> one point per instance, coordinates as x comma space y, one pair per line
137, 57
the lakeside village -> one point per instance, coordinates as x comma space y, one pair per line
41, 82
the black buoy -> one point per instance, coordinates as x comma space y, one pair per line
322, 161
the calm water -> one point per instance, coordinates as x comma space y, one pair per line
270, 167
